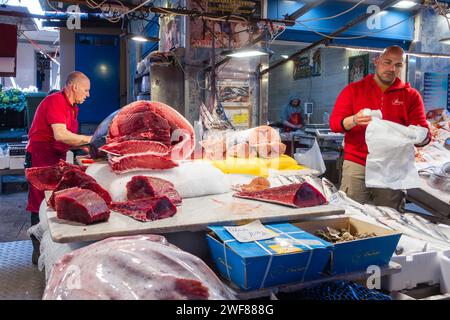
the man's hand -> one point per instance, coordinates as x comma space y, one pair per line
360, 119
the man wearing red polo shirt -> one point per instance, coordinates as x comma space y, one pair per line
397, 101
53, 132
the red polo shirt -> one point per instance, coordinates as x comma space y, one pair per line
55, 108
399, 103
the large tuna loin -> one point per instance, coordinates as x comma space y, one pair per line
80, 205
298, 195
144, 267
155, 121
146, 209
143, 187
47, 178
76, 178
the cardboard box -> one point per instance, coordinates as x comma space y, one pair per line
356, 255
292, 256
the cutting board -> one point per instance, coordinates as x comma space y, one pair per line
194, 214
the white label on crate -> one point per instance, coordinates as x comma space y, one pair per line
253, 231
309, 242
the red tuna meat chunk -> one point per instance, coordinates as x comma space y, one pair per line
297, 195
142, 187
81, 205
137, 122
136, 146
76, 178
146, 209
140, 161
48, 177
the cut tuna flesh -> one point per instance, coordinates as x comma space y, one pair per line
162, 136
142, 187
136, 146
192, 289
140, 161
125, 119
47, 178
146, 209
80, 205
77, 178
130, 123
297, 195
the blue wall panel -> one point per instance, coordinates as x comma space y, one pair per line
306, 31
98, 56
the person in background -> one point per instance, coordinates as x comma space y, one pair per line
53, 131
292, 115
398, 103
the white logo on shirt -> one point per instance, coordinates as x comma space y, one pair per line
396, 102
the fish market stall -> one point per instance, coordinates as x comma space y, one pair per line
433, 163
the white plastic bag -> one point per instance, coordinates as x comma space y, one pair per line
312, 158
390, 162
143, 267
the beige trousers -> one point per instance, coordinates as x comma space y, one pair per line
354, 185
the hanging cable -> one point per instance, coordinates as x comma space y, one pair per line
332, 17
355, 37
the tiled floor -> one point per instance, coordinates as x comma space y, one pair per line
14, 219
19, 278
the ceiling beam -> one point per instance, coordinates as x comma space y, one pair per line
307, 7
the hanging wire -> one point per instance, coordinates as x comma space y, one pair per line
335, 16
356, 37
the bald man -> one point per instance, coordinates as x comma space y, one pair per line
53, 131
398, 103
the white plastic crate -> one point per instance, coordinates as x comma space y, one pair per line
445, 271
422, 267
4, 161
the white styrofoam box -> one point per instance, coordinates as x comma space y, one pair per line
16, 162
417, 268
4, 162
445, 271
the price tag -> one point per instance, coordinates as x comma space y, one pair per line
253, 231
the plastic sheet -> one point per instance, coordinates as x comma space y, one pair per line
390, 162
138, 267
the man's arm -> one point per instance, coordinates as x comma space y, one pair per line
416, 115
342, 118
61, 134
290, 125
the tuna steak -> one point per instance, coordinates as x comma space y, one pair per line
76, 178
140, 161
146, 209
81, 205
138, 146
47, 178
143, 187
298, 195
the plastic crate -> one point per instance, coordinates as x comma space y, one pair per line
418, 268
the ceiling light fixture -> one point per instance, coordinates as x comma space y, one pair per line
404, 4
246, 52
445, 41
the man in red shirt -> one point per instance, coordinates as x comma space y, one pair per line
53, 132
397, 101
